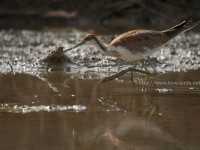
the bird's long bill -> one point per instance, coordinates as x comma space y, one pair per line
77, 45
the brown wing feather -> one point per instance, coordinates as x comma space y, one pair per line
137, 40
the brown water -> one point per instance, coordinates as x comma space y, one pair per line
117, 115
69, 109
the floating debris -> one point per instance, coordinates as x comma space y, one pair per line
51, 108
164, 90
111, 105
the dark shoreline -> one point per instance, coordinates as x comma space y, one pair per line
116, 15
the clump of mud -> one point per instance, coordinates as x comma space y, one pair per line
56, 58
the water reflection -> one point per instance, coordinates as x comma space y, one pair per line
118, 115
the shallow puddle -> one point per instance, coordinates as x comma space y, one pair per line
70, 109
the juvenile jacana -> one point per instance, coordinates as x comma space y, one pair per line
137, 44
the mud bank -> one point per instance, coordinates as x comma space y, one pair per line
23, 48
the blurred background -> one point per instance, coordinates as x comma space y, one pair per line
123, 14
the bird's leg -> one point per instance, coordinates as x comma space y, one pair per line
144, 64
132, 78
151, 63
119, 74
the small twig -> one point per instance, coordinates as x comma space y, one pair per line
11, 68
93, 66
119, 74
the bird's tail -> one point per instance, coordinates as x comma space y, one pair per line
188, 24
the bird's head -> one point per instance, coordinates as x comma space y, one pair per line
87, 40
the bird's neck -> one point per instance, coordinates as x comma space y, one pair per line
100, 46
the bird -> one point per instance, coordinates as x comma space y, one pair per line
138, 44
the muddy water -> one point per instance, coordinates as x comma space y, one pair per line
66, 108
